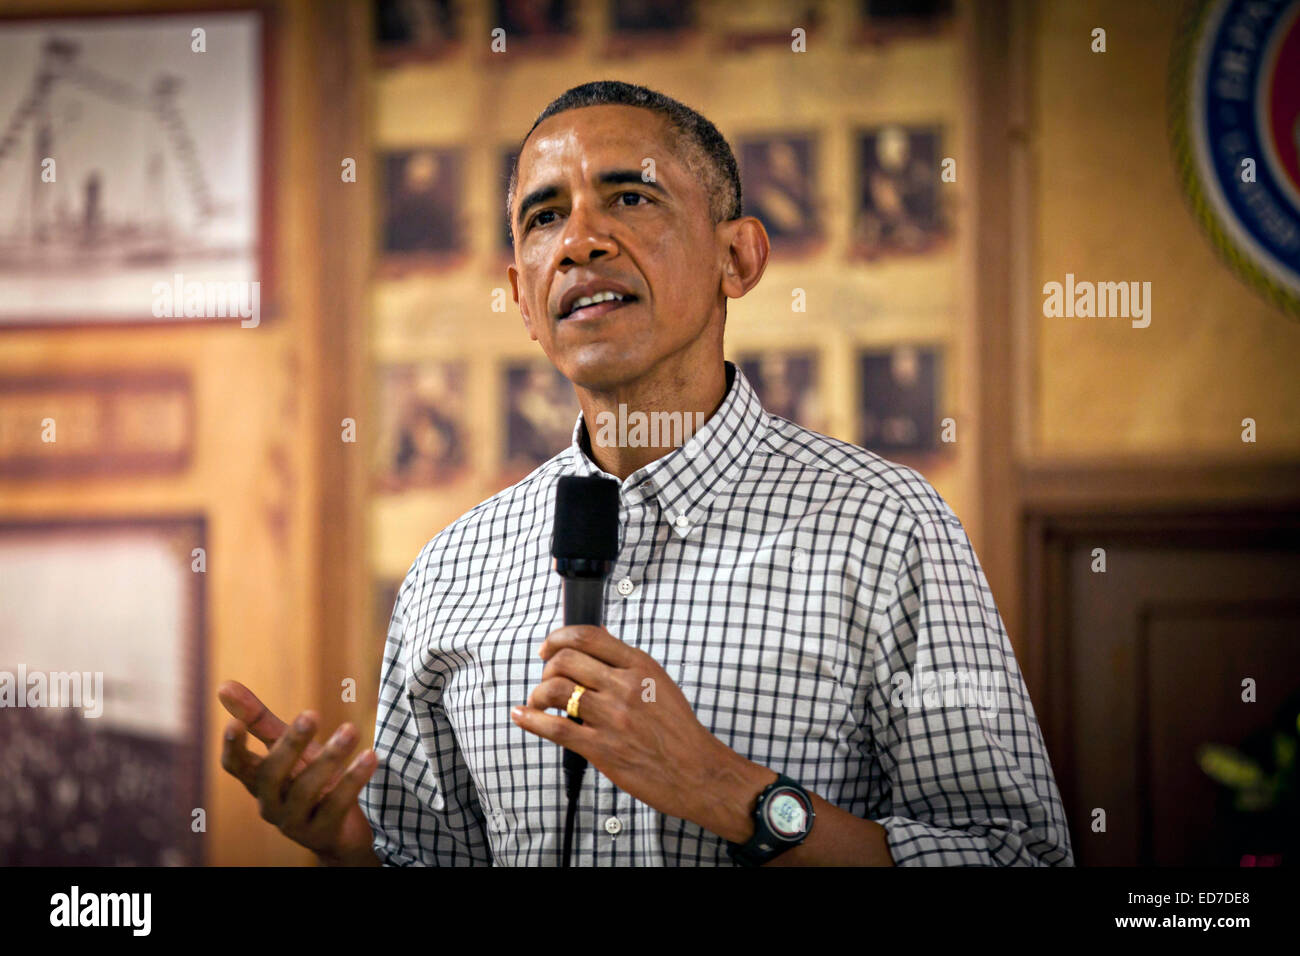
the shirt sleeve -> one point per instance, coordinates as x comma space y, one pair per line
420, 801
954, 732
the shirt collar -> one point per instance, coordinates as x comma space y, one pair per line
685, 480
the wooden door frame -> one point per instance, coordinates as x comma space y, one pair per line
1098, 510
339, 37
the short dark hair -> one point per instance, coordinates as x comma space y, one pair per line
704, 150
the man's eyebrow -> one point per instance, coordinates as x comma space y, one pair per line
620, 176
532, 199
613, 177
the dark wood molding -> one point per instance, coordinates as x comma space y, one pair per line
339, 35
1171, 482
991, 93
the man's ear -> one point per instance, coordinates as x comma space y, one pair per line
747, 250
513, 275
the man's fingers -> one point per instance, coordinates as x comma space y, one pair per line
560, 730
274, 773
581, 668
556, 691
592, 640
308, 786
245, 706
344, 796
235, 758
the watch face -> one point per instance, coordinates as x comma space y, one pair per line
787, 814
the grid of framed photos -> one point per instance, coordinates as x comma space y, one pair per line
849, 190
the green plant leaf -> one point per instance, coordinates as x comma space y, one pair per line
1229, 767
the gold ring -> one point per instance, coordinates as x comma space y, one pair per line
572, 708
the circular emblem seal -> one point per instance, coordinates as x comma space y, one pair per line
1234, 123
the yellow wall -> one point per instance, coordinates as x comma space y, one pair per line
1109, 207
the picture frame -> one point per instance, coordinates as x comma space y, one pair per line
424, 433
901, 207
125, 784
415, 31
113, 230
899, 399
422, 222
539, 410
779, 181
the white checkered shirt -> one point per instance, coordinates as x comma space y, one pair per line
821, 608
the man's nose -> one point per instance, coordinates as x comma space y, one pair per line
586, 236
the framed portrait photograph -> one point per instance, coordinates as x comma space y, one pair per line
901, 209
898, 411
540, 412
423, 435
648, 25
885, 20
414, 30
740, 26
422, 219
101, 669
534, 26
778, 173
133, 173
788, 385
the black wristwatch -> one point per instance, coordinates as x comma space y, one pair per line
783, 819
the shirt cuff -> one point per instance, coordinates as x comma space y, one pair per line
912, 843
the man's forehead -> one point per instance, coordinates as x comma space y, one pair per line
590, 139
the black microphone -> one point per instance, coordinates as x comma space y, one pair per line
584, 546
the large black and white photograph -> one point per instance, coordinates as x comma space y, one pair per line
100, 721
130, 150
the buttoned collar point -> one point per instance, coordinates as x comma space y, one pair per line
686, 480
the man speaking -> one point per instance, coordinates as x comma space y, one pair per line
800, 661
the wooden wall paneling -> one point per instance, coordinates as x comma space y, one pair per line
1127, 688
992, 92
346, 645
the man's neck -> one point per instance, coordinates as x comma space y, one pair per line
614, 441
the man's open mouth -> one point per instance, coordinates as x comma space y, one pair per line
590, 306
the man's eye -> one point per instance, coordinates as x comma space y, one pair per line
537, 220
634, 195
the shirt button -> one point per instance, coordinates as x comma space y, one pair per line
682, 522
613, 826
625, 587
799, 560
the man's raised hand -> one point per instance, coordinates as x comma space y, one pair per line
303, 788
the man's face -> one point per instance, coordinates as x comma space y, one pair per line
585, 221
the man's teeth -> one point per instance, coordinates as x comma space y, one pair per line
587, 300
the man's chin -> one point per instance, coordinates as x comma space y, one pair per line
596, 370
